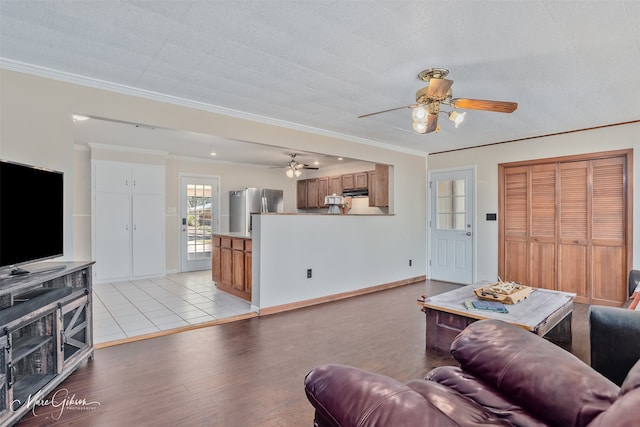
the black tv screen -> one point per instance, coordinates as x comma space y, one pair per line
31, 214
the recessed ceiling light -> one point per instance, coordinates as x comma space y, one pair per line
340, 158
213, 153
316, 163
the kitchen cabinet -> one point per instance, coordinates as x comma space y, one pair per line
301, 194
312, 193
248, 265
231, 264
361, 180
237, 264
226, 261
348, 182
354, 181
335, 185
323, 190
379, 187
129, 220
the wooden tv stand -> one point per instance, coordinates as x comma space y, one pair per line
46, 332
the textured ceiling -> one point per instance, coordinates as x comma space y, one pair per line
320, 64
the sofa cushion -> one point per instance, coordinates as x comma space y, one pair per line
625, 412
462, 410
632, 381
479, 391
544, 379
347, 396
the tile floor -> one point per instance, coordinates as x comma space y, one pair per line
129, 309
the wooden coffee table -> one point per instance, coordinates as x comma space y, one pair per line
545, 312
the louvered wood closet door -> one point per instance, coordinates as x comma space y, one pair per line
564, 227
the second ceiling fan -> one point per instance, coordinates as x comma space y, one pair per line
438, 91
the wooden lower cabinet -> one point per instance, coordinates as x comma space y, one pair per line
231, 265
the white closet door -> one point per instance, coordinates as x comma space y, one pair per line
148, 235
112, 177
148, 180
112, 236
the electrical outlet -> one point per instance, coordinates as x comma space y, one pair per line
410, 263
308, 273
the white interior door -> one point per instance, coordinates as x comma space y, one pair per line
198, 219
451, 225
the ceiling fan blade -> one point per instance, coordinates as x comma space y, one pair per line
432, 122
438, 88
483, 104
386, 111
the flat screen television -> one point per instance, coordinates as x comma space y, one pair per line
31, 216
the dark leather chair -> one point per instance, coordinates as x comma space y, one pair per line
507, 377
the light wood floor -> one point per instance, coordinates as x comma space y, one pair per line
250, 372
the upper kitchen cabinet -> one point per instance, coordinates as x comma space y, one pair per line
301, 194
307, 194
379, 186
335, 185
355, 181
311, 192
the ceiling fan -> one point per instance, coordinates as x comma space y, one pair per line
294, 167
437, 92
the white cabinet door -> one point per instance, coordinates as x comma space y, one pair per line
148, 235
112, 236
112, 177
148, 179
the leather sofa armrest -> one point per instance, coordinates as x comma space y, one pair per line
615, 341
542, 378
348, 396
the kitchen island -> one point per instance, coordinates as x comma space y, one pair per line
231, 263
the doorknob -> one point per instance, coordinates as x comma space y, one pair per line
468, 233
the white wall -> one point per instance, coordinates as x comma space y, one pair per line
36, 127
486, 159
345, 252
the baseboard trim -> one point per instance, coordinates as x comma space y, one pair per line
335, 297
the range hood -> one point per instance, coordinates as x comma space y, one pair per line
356, 193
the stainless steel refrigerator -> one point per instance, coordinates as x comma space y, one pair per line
243, 203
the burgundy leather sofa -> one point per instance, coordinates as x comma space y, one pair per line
506, 377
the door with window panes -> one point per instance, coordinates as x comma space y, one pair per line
198, 219
451, 226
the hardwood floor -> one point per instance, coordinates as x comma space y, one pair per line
251, 372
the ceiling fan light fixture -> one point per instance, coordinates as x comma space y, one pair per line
420, 127
290, 172
419, 114
456, 117
298, 172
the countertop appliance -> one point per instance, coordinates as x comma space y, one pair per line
334, 202
243, 203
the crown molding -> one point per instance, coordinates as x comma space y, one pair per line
36, 70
